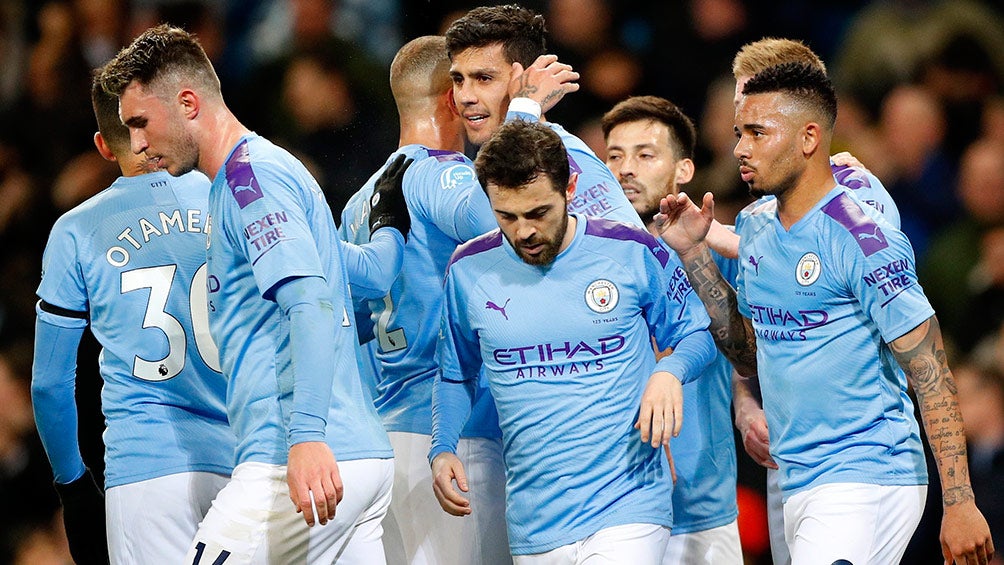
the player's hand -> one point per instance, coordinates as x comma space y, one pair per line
965, 535
845, 159
387, 204
752, 425
681, 224
84, 519
447, 468
661, 413
546, 81
751, 422
312, 469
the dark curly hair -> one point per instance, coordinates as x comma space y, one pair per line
160, 53
805, 83
519, 30
521, 151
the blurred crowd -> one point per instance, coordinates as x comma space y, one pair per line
921, 104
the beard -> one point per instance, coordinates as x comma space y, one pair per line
777, 189
185, 151
551, 245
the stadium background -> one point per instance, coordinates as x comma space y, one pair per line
920, 85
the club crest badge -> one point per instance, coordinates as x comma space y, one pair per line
808, 269
601, 296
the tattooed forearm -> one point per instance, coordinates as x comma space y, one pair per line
921, 354
733, 334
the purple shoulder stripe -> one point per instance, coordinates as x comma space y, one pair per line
240, 176
573, 167
611, 229
442, 155
479, 244
851, 177
848, 213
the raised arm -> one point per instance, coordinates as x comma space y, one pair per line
684, 227
965, 536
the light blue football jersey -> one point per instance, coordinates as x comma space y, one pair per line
270, 222
354, 228
567, 352
447, 207
704, 453
825, 298
133, 257
598, 193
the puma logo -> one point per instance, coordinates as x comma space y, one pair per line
756, 263
492, 306
243, 188
875, 234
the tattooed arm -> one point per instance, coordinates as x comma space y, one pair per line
965, 535
684, 227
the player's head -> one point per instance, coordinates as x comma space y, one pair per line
162, 81
784, 122
112, 138
524, 170
420, 74
754, 57
650, 149
483, 45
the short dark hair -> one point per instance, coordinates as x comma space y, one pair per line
521, 151
519, 30
682, 134
160, 52
106, 112
805, 83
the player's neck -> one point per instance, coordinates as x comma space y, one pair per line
432, 133
220, 134
814, 183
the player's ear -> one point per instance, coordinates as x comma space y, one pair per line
684, 171
451, 102
812, 135
103, 148
573, 179
189, 102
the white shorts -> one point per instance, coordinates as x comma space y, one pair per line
636, 544
859, 523
775, 520
714, 546
418, 532
253, 521
154, 521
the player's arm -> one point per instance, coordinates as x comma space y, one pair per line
452, 198
965, 536
372, 267
684, 227
312, 469
53, 378
723, 240
677, 321
452, 398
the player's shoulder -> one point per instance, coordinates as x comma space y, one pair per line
442, 169
615, 234
850, 218
483, 244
